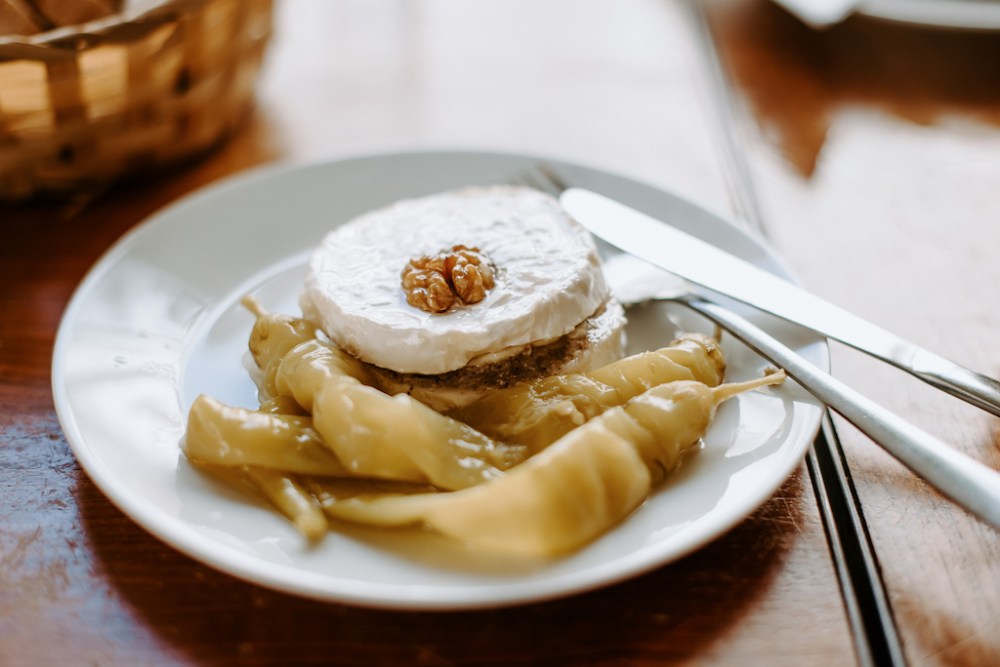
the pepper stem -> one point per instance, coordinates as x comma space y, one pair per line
726, 391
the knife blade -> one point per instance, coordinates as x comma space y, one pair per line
709, 267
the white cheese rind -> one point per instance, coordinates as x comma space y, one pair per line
548, 278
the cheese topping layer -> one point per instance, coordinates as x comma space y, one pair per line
548, 278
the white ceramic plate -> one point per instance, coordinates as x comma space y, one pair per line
980, 15
960, 14
156, 322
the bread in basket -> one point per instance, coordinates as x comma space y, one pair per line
81, 105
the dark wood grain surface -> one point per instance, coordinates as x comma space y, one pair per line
875, 149
875, 175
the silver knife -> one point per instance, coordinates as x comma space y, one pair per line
718, 271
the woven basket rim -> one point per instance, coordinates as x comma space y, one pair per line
57, 36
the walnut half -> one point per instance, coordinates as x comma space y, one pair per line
436, 283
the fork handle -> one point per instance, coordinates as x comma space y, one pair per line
964, 480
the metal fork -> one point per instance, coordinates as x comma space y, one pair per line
964, 480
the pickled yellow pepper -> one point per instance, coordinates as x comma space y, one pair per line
371, 433
537, 413
290, 498
223, 435
574, 490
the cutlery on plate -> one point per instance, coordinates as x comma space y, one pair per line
703, 264
964, 480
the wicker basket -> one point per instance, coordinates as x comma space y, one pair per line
82, 106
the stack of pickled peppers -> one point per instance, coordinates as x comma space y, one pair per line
539, 468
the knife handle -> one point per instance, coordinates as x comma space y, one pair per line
979, 390
964, 480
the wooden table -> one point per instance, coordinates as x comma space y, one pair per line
869, 154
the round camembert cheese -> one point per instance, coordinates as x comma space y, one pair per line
547, 273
